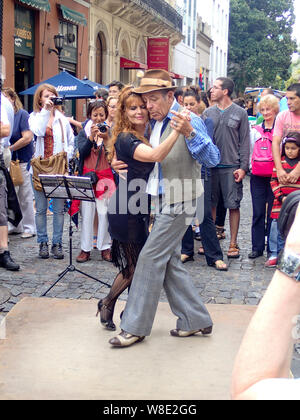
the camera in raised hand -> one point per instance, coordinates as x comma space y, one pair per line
102, 127
57, 100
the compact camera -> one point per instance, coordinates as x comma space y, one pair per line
102, 127
57, 100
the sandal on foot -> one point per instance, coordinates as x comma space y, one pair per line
219, 265
201, 251
220, 233
233, 251
185, 258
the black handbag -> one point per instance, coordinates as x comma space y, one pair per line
287, 213
92, 174
93, 177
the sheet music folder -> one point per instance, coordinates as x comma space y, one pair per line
72, 188
67, 187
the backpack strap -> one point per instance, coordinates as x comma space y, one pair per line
259, 128
266, 134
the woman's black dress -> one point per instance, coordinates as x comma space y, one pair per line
129, 207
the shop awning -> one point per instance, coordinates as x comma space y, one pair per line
175, 75
43, 5
72, 15
131, 65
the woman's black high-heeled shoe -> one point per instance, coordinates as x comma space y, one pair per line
107, 323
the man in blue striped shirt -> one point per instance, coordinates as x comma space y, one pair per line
200, 145
159, 264
198, 141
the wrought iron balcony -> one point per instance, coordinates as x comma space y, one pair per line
165, 11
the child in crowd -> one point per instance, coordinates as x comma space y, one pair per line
289, 160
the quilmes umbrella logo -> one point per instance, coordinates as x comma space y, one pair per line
2, 328
59, 88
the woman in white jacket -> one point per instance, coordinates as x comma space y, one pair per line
53, 135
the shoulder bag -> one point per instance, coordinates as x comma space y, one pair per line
92, 174
15, 172
54, 165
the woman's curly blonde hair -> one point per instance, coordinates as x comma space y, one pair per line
121, 121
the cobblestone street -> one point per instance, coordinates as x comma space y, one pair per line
243, 284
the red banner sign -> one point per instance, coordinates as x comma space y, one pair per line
158, 53
129, 64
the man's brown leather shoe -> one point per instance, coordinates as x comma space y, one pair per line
106, 255
83, 257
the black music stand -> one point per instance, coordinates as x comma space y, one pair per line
72, 188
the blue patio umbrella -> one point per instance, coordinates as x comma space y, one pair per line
94, 85
66, 85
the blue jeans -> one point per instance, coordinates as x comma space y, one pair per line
41, 205
262, 195
276, 243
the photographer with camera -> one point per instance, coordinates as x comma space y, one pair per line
54, 136
93, 163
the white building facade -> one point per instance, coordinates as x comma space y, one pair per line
118, 34
184, 58
203, 52
216, 14
205, 45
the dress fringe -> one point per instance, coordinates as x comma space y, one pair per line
125, 255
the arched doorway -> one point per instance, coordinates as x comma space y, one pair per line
142, 54
100, 52
125, 52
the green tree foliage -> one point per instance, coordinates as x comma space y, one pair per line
260, 42
294, 72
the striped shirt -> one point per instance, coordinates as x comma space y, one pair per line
279, 190
201, 147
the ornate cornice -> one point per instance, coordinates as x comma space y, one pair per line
143, 15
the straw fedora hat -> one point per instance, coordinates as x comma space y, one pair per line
155, 80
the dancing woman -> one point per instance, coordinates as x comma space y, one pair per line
129, 228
